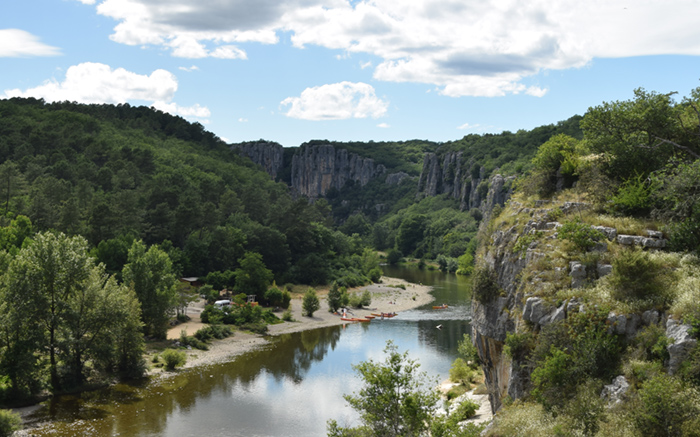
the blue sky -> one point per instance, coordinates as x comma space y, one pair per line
297, 70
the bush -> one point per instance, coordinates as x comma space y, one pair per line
274, 297
9, 423
663, 406
636, 276
582, 235
173, 358
375, 274
484, 286
465, 410
310, 303
334, 297
461, 373
394, 257
519, 345
632, 198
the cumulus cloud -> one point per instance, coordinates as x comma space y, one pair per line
91, 82
16, 43
336, 101
476, 48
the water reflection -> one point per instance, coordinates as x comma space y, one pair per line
290, 387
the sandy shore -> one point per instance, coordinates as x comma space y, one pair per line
386, 297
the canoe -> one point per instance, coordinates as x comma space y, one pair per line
369, 317
387, 315
354, 319
440, 307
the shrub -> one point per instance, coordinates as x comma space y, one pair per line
334, 297
663, 406
310, 302
274, 296
173, 358
582, 235
9, 423
468, 351
286, 299
636, 276
465, 410
366, 298
461, 373
484, 286
519, 345
632, 198
375, 274
394, 256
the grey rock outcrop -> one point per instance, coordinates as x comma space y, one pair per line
268, 155
615, 393
682, 344
316, 169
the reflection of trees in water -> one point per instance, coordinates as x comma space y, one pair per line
144, 407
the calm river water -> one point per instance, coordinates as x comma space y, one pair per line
289, 388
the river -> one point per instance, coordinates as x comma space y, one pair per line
291, 387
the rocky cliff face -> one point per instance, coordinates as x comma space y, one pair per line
465, 181
268, 155
317, 169
524, 283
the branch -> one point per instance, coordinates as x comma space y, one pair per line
673, 143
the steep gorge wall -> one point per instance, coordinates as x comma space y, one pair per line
315, 169
464, 181
524, 303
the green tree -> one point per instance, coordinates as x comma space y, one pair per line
252, 277
411, 232
393, 400
41, 281
310, 303
335, 297
149, 273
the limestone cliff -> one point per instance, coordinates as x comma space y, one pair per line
462, 180
522, 256
316, 169
268, 155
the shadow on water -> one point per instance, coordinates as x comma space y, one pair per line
290, 387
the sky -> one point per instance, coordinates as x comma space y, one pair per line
292, 71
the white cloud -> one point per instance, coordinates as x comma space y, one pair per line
477, 48
243, 120
364, 65
468, 126
189, 69
98, 83
383, 125
16, 43
336, 101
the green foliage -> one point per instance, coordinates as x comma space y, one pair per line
519, 345
571, 352
582, 235
392, 400
484, 286
664, 406
337, 297
461, 373
465, 264
173, 358
274, 297
375, 275
9, 423
632, 198
447, 264
149, 273
524, 242
638, 277
394, 256
310, 303
468, 351
252, 277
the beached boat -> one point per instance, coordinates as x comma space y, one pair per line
440, 307
388, 315
354, 319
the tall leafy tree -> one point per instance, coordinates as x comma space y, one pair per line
393, 400
252, 277
150, 273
